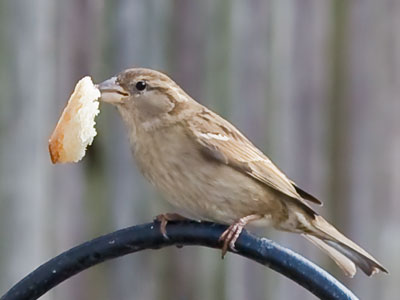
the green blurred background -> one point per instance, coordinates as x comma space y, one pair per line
315, 84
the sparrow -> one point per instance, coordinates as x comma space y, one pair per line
206, 167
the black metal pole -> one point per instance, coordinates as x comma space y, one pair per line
148, 236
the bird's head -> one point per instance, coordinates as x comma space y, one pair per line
146, 95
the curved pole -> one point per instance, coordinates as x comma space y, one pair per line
183, 233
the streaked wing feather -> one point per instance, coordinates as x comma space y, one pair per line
306, 195
222, 141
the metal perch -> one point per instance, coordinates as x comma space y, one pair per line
183, 233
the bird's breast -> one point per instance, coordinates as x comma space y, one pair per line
203, 187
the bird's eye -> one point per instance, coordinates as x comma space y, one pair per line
140, 85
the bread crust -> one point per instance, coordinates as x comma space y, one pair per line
77, 123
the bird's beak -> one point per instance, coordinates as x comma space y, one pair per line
112, 92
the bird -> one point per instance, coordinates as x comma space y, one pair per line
203, 165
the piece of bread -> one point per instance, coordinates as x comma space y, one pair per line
75, 129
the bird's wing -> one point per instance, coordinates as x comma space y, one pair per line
223, 142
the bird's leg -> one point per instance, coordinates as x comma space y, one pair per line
229, 236
165, 218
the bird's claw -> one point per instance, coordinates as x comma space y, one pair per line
229, 238
165, 218
163, 225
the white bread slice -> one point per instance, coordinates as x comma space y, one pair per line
75, 129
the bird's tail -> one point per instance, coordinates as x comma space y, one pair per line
346, 254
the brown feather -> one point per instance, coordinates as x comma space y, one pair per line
347, 266
306, 195
234, 149
331, 236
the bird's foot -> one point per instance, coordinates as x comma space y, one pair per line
165, 218
230, 236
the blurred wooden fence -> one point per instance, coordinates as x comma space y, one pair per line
315, 84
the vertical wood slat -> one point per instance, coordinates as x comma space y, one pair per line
25, 173
74, 38
375, 114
